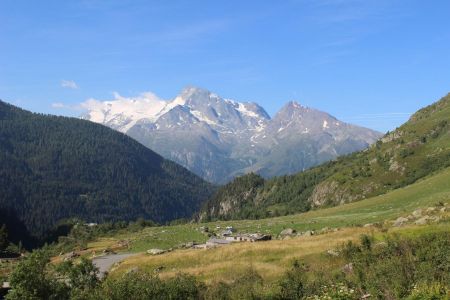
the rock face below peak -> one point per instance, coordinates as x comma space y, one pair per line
219, 138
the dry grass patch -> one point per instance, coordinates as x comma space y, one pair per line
270, 259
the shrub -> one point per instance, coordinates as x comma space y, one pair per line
247, 286
336, 292
133, 285
390, 270
183, 287
218, 291
81, 278
434, 291
32, 279
294, 283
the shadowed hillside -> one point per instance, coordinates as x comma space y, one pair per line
57, 167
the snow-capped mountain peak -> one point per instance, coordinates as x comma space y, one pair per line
123, 113
219, 138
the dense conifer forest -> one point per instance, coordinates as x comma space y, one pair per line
54, 168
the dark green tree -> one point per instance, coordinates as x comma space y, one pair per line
3, 237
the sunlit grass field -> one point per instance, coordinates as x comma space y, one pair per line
272, 258
401, 202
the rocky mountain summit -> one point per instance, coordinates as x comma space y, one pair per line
220, 139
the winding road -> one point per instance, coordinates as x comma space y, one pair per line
104, 263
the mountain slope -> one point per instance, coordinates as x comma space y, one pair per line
304, 137
416, 149
57, 167
220, 139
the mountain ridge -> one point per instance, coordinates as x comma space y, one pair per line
219, 138
415, 150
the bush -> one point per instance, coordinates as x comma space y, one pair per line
81, 278
294, 284
434, 291
218, 291
183, 287
133, 285
142, 286
32, 279
336, 292
390, 270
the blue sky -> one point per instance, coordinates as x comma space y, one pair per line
369, 62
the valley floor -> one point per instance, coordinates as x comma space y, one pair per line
333, 227
394, 246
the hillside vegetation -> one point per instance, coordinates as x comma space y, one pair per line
428, 192
401, 266
56, 167
357, 249
418, 148
385, 261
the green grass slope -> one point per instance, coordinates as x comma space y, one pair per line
428, 192
418, 148
271, 259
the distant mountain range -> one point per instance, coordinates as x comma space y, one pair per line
56, 167
219, 139
416, 149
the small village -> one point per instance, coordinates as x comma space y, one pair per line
228, 236
218, 238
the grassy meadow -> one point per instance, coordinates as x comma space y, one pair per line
272, 258
401, 202
269, 259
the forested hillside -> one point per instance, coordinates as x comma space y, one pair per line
14, 231
57, 167
419, 147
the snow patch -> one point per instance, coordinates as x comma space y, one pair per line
201, 117
242, 109
145, 106
178, 101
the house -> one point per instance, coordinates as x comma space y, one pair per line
226, 240
253, 237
